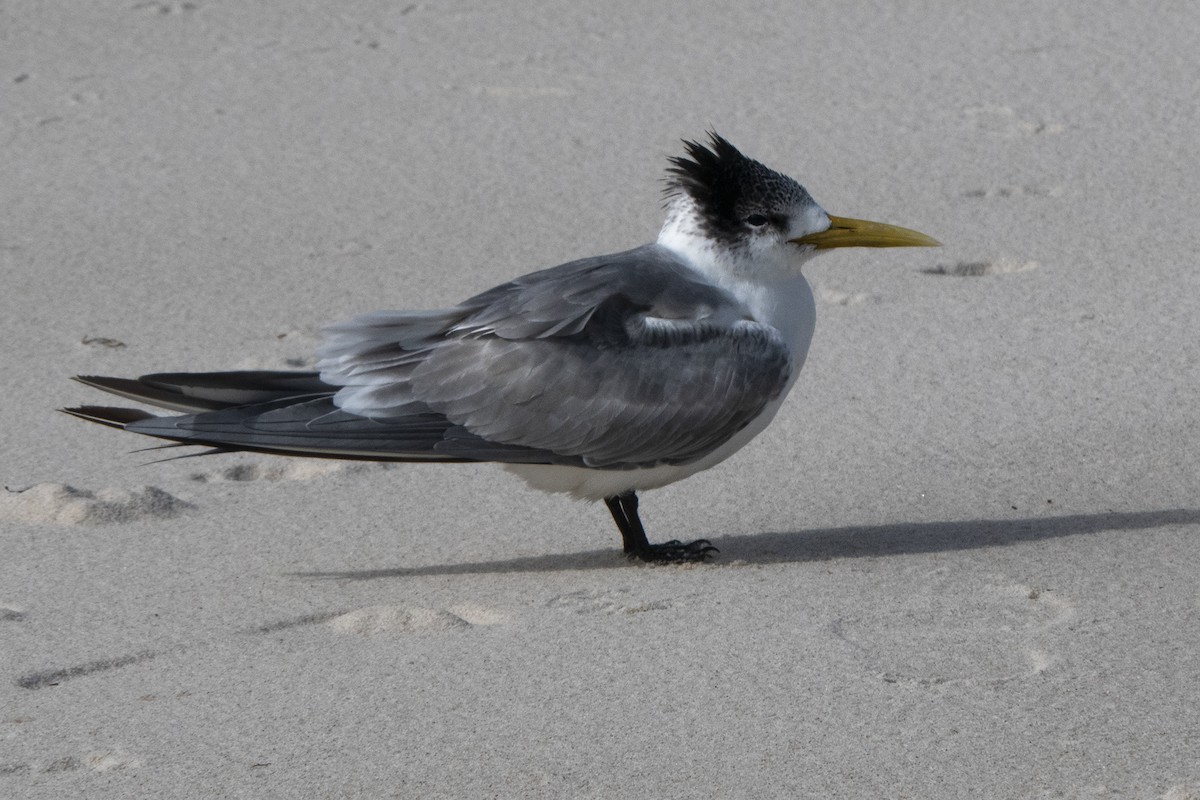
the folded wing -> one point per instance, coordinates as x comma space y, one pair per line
618, 361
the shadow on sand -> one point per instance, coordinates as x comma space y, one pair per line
823, 544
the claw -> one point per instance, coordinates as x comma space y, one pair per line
676, 552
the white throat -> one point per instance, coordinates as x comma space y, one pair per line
768, 281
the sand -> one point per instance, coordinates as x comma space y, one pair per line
962, 562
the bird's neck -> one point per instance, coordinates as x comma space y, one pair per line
775, 293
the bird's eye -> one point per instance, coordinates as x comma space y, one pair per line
757, 220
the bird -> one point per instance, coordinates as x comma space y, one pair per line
599, 378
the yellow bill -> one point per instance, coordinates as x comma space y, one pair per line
846, 232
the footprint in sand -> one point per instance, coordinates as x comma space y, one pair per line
1182, 792
1004, 121
838, 298
167, 8
102, 341
391, 620
97, 761
1013, 191
59, 504
1045, 610
939, 641
280, 469
979, 269
53, 677
587, 601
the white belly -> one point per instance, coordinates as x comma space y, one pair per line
596, 484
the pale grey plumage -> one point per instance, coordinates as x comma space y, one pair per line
621, 361
599, 378
613, 362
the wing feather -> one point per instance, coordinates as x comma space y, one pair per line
318, 428
617, 361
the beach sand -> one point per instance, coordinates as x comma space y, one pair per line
963, 561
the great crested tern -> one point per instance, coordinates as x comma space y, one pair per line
597, 378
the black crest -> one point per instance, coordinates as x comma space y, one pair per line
727, 186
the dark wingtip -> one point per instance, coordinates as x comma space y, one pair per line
104, 382
111, 416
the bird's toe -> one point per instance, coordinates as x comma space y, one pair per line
676, 552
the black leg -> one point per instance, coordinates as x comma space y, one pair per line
624, 509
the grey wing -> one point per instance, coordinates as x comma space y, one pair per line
372, 355
619, 361
660, 395
318, 428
